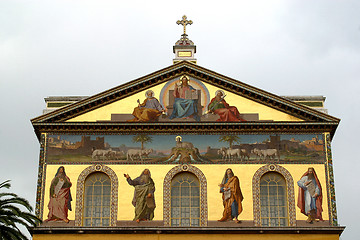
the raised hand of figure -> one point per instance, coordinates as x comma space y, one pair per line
126, 175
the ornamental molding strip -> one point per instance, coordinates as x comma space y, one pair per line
80, 191
177, 70
290, 192
203, 192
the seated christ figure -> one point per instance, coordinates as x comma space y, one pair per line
185, 105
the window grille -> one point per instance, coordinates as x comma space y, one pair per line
185, 200
96, 211
273, 200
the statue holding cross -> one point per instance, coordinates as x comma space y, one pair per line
184, 22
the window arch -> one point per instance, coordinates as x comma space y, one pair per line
266, 202
273, 200
96, 197
96, 211
188, 180
185, 200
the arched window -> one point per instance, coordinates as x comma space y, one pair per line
97, 200
185, 200
96, 197
273, 197
273, 200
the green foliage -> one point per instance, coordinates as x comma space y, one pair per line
11, 215
143, 138
230, 139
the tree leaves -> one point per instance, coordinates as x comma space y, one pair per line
11, 214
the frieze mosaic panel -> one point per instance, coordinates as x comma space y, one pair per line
203, 192
180, 148
80, 192
290, 192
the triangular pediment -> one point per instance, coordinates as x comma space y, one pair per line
239, 102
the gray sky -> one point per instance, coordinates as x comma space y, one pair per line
52, 48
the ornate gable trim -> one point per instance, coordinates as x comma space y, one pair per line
177, 70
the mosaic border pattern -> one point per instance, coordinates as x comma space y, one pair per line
80, 192
39, 205
290, 192
330, 182
203, 192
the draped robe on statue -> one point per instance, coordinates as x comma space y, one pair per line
148, 111
226, 113
182, 107
306, 202
60, 204
144, 205
232, 204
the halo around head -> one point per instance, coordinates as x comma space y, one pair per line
147, 93
178, 137
186, 77
222, 92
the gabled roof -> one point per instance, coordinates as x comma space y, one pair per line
176, 70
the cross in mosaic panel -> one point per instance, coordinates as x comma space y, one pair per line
184, 22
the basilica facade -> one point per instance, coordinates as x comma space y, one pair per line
186, 152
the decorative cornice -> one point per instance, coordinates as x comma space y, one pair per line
188, 127
193, 70
189, 230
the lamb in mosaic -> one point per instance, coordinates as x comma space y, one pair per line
143, 200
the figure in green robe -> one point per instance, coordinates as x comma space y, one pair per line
143, 201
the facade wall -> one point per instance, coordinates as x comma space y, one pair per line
213, 172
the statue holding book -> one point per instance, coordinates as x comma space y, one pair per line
310, 196
186, 100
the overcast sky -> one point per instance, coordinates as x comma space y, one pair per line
62, 48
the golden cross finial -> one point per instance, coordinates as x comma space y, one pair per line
184, 22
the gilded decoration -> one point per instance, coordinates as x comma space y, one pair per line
80, 192
330, 183
177, 70
290, 191
203, 192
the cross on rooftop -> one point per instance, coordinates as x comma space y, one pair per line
184, 22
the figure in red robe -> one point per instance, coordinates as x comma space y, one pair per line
310, 196
60, 197
227, 113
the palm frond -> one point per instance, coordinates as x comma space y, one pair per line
12, 216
